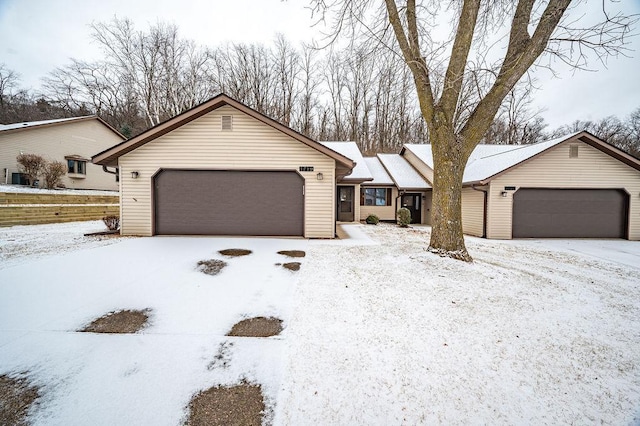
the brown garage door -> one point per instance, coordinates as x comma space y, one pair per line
206, 202
569, 213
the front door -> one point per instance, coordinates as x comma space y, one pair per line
413, 203
345, 204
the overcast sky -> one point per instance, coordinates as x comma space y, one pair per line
37, 36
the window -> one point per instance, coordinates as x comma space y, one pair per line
78, 167
375, 197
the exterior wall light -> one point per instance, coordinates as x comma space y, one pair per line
134, 175
319, 176
504, 194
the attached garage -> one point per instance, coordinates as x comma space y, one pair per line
570, 213
222, 168
229, 202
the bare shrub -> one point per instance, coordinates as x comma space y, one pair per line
52, 173
112, 222
31, 165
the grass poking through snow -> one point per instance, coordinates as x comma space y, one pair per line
211, 266
257, 327
17, 395
124, 321
240, 405
292, 253
235, 252
292, 266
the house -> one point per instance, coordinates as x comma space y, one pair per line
575, 186
222, 168
69, 140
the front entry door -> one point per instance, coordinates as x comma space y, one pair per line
345, 204
413, 203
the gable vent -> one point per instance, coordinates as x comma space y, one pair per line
573, 151
227, 122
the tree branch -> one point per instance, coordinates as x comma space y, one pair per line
412, 56
458, 61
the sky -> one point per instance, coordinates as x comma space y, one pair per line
36, 36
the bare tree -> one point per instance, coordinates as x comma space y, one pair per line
457, 113
8, 81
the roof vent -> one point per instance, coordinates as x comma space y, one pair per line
227, 122
573, 150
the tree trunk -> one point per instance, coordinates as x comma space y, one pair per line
449, 160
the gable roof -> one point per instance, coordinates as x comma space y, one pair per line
110, 156
360, 172
487, 162
380, 175
402, 173
16, 127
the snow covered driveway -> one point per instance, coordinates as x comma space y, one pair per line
146, 378
377, 330
533, 332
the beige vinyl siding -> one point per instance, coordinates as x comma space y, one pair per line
84, 138
251, 145
472, 212
554, 169
419, 165
383, 212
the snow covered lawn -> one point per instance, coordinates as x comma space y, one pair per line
376, 330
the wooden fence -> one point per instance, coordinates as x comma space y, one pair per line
32, 208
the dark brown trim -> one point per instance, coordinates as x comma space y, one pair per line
160, 170
66, 121
111, 155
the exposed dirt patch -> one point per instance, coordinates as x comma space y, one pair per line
235, 252
257, 327
238, 405
16, 397
292, 266
124, 321
211, 266
293, 253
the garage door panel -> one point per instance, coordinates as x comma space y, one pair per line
194, 202
569, 213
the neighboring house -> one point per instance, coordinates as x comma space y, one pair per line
576, 186
68, 140
222, 168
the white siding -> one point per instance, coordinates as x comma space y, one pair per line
84, 138
554, 169
472, 212
383, 212
251, 145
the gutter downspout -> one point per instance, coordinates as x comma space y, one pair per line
400, 194
104, 169
484, 216
6, 176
